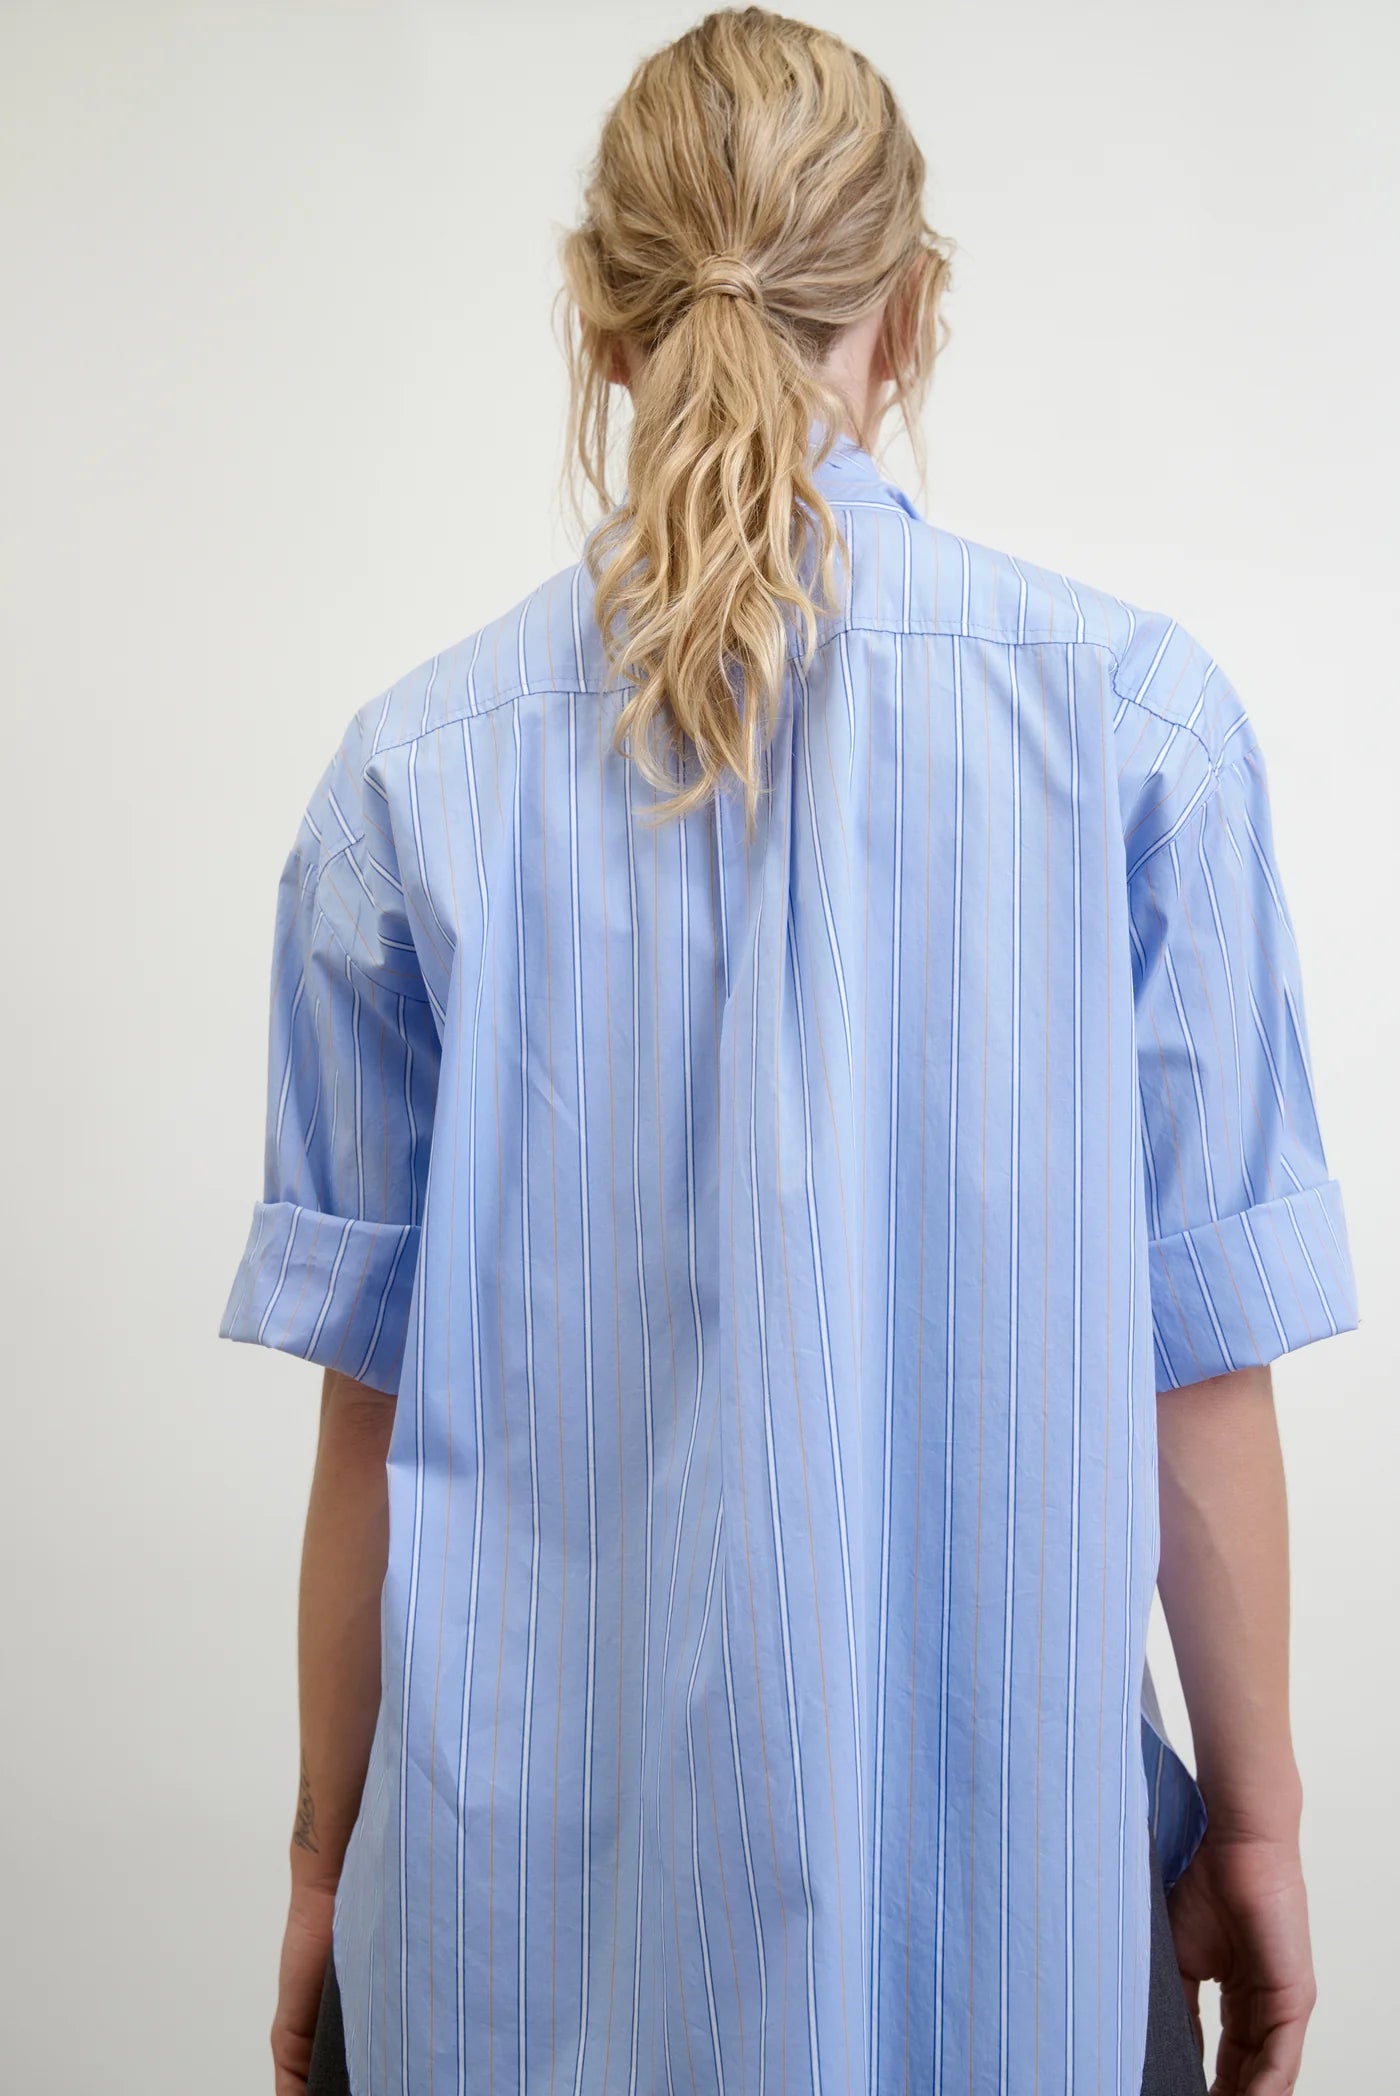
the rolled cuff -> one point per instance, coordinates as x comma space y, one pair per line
329, 1288
1240, 1291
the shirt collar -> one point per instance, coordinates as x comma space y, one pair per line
849, 474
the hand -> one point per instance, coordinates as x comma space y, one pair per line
1239, 1915
306, 1949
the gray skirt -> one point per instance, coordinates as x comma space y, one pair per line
1173, 2065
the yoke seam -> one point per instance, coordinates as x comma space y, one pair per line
1216, 764
563, 690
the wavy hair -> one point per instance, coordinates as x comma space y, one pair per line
756, 189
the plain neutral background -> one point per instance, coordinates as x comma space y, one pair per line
278, 282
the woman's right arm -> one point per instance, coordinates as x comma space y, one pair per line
1239, 1912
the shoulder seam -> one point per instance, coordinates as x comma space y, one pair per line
330, 858
386, 989
1208, 791
1183, 727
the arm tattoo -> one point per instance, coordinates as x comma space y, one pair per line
304, 1832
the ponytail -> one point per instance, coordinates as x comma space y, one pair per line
700, 581
755, 191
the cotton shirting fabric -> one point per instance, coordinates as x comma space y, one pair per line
776, 1246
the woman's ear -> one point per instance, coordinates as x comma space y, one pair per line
894, 348
622, 363
881, 360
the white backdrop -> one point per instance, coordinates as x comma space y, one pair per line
277, 288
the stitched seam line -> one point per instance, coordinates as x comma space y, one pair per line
1209, 1225
1143, 706
356, 1222
340, 852
915, 628
1217, 765
1223, 763
385, 989
1207, 795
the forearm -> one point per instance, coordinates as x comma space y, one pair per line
1223, 1579
344, 1555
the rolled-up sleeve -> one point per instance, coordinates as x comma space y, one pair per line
1248, 1243
328, 1268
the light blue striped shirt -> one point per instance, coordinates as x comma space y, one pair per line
776, 1248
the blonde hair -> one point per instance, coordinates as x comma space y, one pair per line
756, 189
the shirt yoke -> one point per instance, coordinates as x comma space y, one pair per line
906, 576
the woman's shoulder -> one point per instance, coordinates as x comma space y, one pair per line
539, 646
912, 573
961, 586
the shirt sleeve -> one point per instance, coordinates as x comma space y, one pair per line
1248, 1244
353, 1051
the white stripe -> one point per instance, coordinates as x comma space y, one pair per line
474, 1581
646, 1386
784, 1618
529, 1402
823, 885
587, 1298
419, 844
877, 1868
950, 1379
695, 1305
833, 1430
359, 1090
1077, 1352
744, 1839
1013, 1369
310, 1348
694, 1806
406, 1676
